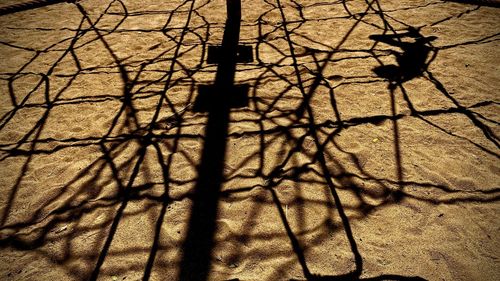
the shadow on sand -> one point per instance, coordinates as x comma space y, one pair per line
82, 193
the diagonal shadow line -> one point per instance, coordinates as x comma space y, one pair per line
37, 130
127, 105
127, 98
4, 120
165, 203
49, 106
293, 240
398, 83
357, 256
33, 4
487, 132
105, 153
79, 32
165, 167
119, 214
388, 276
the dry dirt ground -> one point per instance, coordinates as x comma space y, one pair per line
366, 148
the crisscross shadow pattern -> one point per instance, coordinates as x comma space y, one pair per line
357, 138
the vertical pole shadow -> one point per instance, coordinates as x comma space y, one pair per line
199, 241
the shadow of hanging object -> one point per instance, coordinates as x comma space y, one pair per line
411, 61
23, 6
217, 100
490, 3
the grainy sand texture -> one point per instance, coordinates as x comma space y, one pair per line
342, 140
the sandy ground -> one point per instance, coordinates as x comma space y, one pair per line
368, 148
